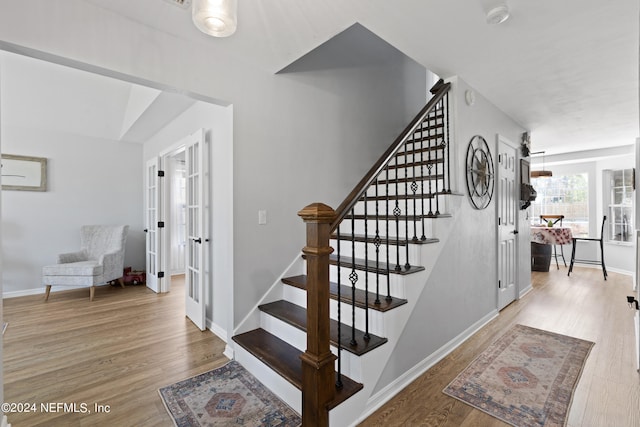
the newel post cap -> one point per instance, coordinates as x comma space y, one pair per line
317, 212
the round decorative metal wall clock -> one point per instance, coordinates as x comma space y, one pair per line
480, 172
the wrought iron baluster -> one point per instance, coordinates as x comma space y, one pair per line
422, 178
446, 112
388, 297
353, 277
377, 242
430, 164
366, 273
439, 152
396, 213
339, 373
414, 187
406, 206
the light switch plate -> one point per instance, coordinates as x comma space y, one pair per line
262, 217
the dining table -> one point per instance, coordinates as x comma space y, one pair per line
542, 240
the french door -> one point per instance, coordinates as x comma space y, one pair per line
152, 219
196, 241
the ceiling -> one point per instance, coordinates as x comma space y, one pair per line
567, 70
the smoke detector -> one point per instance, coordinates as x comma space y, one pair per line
498, 15
184, 4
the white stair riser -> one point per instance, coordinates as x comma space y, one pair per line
297, 338
361, 249
270, 378
394, 230
397, 288
386, 208
376, 318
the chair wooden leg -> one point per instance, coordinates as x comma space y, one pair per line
46, 293
92, 292
121, 282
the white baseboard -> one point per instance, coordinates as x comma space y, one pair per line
218, 331
26, 292
525, 291
384, 395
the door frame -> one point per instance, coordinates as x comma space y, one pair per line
500, 138
164, 156
153, 282
165, 250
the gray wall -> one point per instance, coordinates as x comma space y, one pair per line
298, 138
462, 287
89, 182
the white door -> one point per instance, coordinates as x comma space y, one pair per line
152, 217
507, 205
195, 237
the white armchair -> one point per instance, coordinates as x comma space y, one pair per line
100, 260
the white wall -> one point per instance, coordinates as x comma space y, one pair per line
462, 287
88, 182
217, 122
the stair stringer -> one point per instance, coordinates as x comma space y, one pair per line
373, 363
275, 292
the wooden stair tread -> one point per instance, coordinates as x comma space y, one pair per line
392, 241
300, 282
370, 265
296, 316
284, 359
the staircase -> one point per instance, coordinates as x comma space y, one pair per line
329, 328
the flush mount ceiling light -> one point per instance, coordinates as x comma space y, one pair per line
217, 18
498, 15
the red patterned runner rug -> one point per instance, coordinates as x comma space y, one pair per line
525, 378
226, 396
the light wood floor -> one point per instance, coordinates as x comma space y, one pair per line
117, 350
583, 306
121, 348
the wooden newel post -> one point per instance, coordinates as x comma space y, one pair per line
318, 372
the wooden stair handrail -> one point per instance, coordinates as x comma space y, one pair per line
362, 186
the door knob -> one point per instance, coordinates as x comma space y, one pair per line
515, 231
198, 240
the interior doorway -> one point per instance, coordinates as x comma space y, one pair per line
179, 204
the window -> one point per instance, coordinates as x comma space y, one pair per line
618, 197
566, 195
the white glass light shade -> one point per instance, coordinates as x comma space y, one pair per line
217, 18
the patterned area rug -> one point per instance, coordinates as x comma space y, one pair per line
227, 396
526, 378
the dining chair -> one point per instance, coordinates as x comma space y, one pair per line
587, 261
555, 219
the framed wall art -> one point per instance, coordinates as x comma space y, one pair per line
24, 173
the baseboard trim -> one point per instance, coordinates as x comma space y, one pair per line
27, 292
384, 395
525, 291
217, 330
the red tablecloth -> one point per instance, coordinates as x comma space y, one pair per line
551, 235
